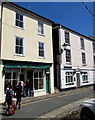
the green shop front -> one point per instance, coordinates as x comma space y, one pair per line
37, 73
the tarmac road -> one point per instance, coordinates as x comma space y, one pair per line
39, 108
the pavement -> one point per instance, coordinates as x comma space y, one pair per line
58, 113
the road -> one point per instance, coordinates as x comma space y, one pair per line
38, 108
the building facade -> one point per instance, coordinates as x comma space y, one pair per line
26, 50
74, 58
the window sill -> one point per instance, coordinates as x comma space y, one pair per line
70, 83
19, 55
85, 82
82, 48
68, 63
68, 44
41, 34
83, 64
41, 57
19, 27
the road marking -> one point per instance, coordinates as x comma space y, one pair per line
51, 98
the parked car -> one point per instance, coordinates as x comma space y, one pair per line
87, 110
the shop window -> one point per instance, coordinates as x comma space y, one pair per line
36, 84
38, 80
69, 78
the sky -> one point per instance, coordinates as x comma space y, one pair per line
73, 15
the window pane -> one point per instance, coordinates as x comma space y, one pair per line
17, 16
20, 50
21, 24
17, 49
21, 17
8, 76
21, 42
36, 84
41, 84
17, 41
41, 74
36, 75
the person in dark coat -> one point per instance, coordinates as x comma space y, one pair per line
28, 88
9, 96
19, 91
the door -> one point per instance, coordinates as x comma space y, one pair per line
47, 83
78, 79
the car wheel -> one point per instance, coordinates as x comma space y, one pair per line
87, 114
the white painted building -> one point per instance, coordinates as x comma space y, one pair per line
74, 58
26, 50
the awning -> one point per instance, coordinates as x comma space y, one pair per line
27, 66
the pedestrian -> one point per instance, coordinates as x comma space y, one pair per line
19, 91
28, 88
7, 88
9, 97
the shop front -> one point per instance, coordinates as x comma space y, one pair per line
36, 73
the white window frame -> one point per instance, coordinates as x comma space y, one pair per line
93, 47
41, 31
38, 78
94, 60
67, 38
68, 62
41, 50
83, 58
68, 76
19, 46
82, 43
84, 77
19, 21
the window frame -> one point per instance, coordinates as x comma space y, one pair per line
67, 37
82, 43
70, 77
18, 54
38, 78
94, 60
19, 20
69, 56
43, 50
41, 32
83, 58
93, 47
84, 76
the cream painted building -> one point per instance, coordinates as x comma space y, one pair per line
26, 50
74, 58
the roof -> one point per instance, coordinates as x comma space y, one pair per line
61, 26
15, 5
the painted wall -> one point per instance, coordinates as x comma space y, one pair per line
30, 35
76, 58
